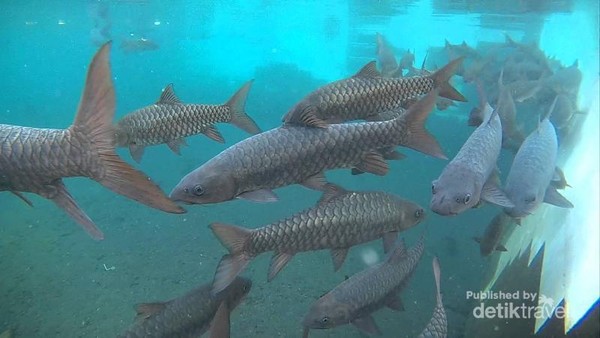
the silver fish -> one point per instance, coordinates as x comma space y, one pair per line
468, 178
438, 325
367, 94
170, 121
532, 170
190, 315
490, 241
354, 300
290, 155
36, 160
339, 221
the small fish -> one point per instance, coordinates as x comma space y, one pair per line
138, 45
532, 170
288, 155
385, 56
468, 178
367, 94
170, 121
438, 325
35, 160
190, 315
512, 136
490, 241
355, 299
566, 80
339, 221
564, 110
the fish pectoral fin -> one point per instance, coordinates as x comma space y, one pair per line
392, 154
389, 239
316, 182
500, 247
136, 152
147, 310
395, 303
176, 144
558, 180
308, 117
214, 134
555, 198
373, 162
168, 96
278, 261
492, 194
22, 197
338, 256
368, 70
355, 171
330, 193
367, 325
261, 196
219, 326
57, 193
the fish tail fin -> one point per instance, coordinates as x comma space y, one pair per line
234, 238
237, 104
94, 131
441, 78
415, 117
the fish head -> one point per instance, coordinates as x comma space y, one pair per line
121, 136
235, 292
525, 203
412, 214
453, 194
326, 313
205, 185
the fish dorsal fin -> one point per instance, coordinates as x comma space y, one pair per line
398, 253
168, 96
147, 310
331, 192
369, 70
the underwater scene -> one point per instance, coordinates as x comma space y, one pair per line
419, 168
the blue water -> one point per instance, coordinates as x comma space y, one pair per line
57, 282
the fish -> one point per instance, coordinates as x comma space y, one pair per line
286, 155
355, 299
385, 56
367, 94
340, 220
35, 160
469, 178
533, 168
138, 45
524, 90
170, 121
407, 60
438, 325
190, 315
476, 116
566, 80
564, 110
490, 241
512, 136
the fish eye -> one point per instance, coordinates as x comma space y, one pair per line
198, 190
419, 213
433, 189
325, 320
467, 198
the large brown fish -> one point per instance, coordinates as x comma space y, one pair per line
35, 159
367, 94
354, 300
170, 121
340, 220
438, 325
290, 154
190, 315
490, 241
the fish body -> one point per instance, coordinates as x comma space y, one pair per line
385, 56
367, 94
512, 136
36, 160
355, 299
532, 170
190, 315
490, 241
466, 179
563, 111
341, 220
170, 121
294, 154
438, 325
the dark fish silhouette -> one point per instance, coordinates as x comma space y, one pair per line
355, 299
170, 121
190, 315
290, 155
35, 159
367, 94
490, 241
339, 221
438, 325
